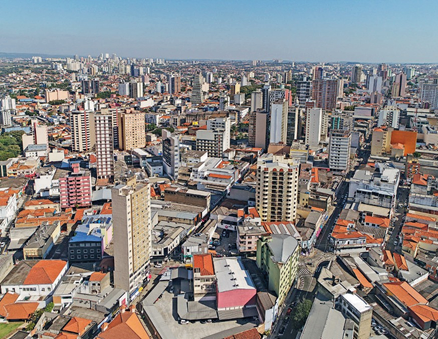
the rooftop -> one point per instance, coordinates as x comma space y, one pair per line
231, 274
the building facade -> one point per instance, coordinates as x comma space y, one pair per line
75, 188
339, 150
132, 132
83, 137
104, 146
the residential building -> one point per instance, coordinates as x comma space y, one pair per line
324, 92
375, 84
171, 157
132, 132
277, 257
339, 150
126, 324
256, 100
104, 146
39, 134
216, 138
124, 89
90, 86
197, 96
136, 89
75, 188
132, 234
204, 278
429, 94
278, 125
293, 124
174, 82
381, 141
304, 91
277, 188
257, 129
390, 117
42, 241
399, 86
266, 102
83, 136
356, 74
314, 122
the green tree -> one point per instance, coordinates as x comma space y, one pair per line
416, 154
300, 313
104, 95
56, 102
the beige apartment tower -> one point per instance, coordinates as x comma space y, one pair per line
132, 233
132, 132
277, 188
104, 146
82, 124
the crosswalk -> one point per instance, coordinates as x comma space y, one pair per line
303, 270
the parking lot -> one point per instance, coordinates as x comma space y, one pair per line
166, 306
227, 243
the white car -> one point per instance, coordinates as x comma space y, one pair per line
158, 265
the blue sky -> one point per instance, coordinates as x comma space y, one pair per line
300, 30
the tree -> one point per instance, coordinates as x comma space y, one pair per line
49, 307
300, 313
56, 102
416, 154
104, 95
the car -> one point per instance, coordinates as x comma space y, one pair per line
184, 322
158, 265
282, 329
289, 311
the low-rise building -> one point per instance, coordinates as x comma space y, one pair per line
42, 241
204, 278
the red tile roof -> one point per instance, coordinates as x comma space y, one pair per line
425, 313
97, 276
405, 293
45, 272
380, 222
204, 262
219, 176
362, 279
77, 325
125, 325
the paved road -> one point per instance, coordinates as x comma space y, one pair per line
402, 200
322, 242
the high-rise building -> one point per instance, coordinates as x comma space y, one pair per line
356, 74
399, 86
132, 234
90, 86
314, 122
277, 188
124, 89
304, 91
82, 124
293, 123
136, 89
75, 188
339, 150
197, 96
324, 92
429, 94
104, 146
216, 138
171, 159
390, 116
256, 100
381, 141
280, 94
317, 72
235, 89
174, 82
375, 84
410, 72
7, 108
257, 129
266, 97
278, 127
132, 132
39, 134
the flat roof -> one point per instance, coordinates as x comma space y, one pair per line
358, 303
231, 274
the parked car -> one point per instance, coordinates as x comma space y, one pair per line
158, 265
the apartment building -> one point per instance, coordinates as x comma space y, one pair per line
278, 127
324, 92
83, 136
216, 138
75, 188
132, 132
355, 308
339, 154
104, 146
132, 234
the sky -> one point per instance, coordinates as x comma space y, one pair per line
397, 31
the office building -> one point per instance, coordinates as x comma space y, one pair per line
278, 127
324, 92
257, 129
216, 138
277, 188
82, 124
132, 234
314, 124
197, 96
75, 188
339, 150
256, 100
399, 86
132, 132
136, 90
304, 91
356, 74
171, 159
277, 258
429, 94
104, 146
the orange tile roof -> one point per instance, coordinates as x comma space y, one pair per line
97, 276
253, 211
204, 262
343, 222
315, 175
419, 179
425, 312
77, 325
64, 335
249, 334
381, 222
20, 311
387, 258
219, 176
362, 279
124, 325
405, 293
38, 202
45, 272
8, 299
416, 225
400, 262
351, 235
4, 201
422, 217
107, 208
398, 146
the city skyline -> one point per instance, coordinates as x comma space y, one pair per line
315, 31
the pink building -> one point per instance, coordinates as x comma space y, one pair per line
236, 292
75, 188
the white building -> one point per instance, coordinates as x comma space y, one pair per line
278, 129
124, 89
339, 150
8, 207
256, 100
390, 116
314, 122
171, 160
216, 139
104, 146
